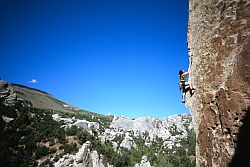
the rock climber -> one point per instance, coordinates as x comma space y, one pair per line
184, 85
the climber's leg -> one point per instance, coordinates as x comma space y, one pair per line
183, 92
183, 98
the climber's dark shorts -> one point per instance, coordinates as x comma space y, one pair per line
183, 85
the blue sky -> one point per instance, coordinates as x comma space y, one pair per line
107, 56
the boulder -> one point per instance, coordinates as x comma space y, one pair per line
83, 158
144, 162
128, 142
7, 95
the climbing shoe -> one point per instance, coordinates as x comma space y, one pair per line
191, 92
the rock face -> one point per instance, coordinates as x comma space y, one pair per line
128, 142
83, 158
153, 126
219, 52
7, 94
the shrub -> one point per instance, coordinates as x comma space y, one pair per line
56, 158
42, 151
70, 148
71, 131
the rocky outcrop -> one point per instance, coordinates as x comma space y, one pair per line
7, 95
87, 125
171, 129
152, 126
144, 162
128, 142
83, 158
219, 50
7, 119
122, 133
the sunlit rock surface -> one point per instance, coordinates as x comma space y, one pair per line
172, 130
219, 50
83, 158
152, 126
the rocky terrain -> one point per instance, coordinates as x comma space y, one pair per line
44, 137
172, 131
219, 52
7, 94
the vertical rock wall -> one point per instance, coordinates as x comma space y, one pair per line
219, 52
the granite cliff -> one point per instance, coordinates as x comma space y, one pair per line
219, 53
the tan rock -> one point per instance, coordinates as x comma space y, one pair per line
219, 52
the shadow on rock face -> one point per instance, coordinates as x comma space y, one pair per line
242, 152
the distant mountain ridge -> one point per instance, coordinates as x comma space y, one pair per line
44, 100
23, 86
41, 99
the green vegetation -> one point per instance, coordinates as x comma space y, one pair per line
157, 155
21, 139
174, 131
33, 135
71, 148
41, 151
71, 131
24, 138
